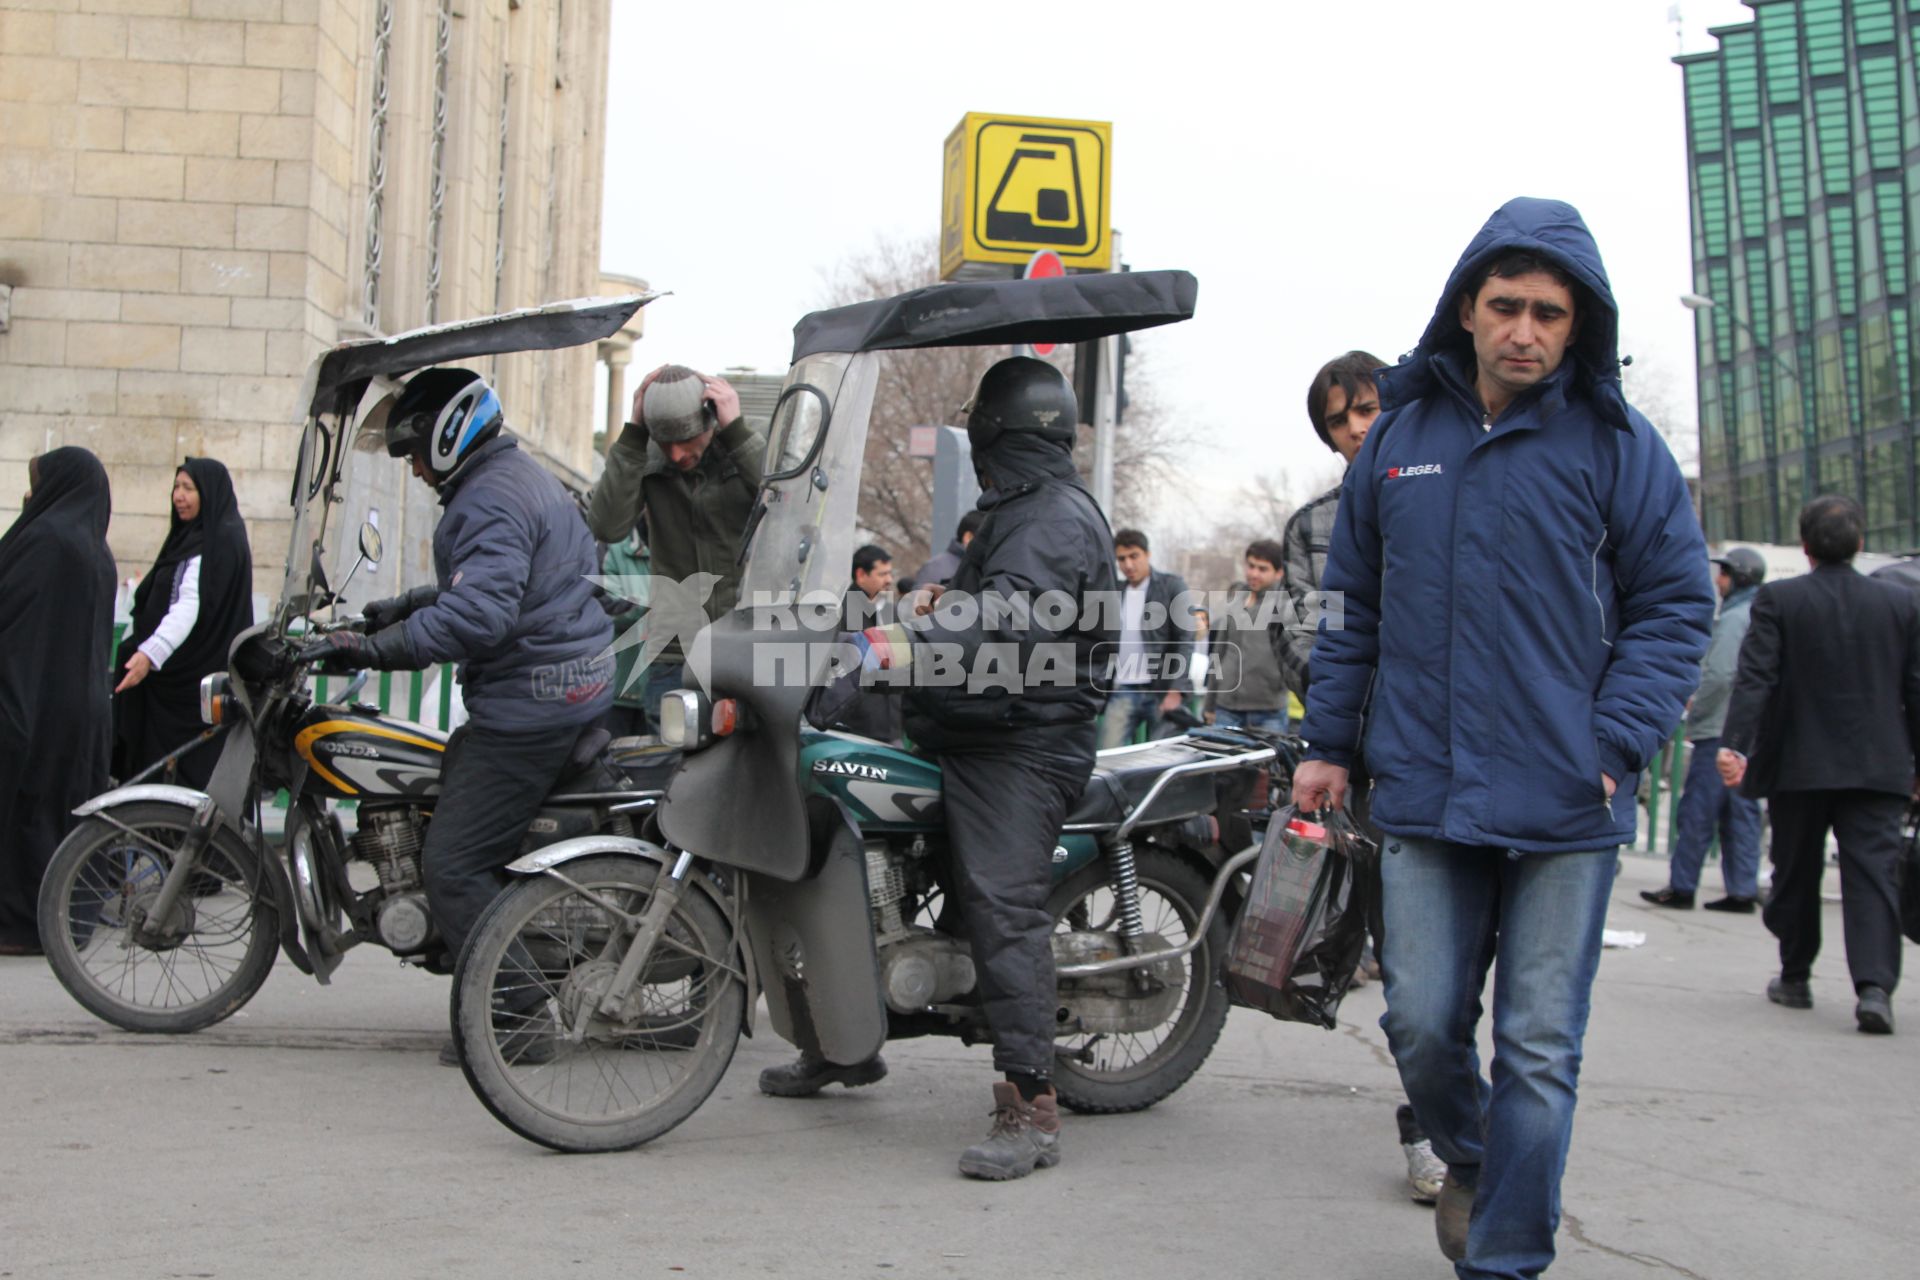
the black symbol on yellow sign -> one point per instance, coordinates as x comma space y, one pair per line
1038, 199
1039, 185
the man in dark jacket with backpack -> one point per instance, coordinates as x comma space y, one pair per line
1525, 596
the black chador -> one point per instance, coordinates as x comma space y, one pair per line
56, 630
162, 712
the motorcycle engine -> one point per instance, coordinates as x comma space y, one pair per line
919, 966
389, 840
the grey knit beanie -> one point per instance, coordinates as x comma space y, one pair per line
673, 406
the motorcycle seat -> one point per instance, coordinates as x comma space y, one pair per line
1122, 778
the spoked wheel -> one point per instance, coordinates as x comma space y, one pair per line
105, 944
1127, 1043
536, 1045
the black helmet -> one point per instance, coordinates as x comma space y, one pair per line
1744, 565
443, 416
1025, 395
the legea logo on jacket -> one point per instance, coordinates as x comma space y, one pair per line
1426, 469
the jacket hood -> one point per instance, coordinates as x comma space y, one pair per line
1554, 230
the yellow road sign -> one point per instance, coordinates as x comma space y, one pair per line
1015, 185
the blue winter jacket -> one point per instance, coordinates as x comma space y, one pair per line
1525, 607
516, 607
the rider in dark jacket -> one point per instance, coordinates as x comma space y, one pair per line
516, 609
1008, 710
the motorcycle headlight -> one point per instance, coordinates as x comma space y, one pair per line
213, 698
683, 720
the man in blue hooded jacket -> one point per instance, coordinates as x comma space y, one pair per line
1524, 605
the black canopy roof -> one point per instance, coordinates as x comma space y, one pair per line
558, 324
989, 313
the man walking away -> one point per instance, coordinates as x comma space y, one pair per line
1824, 722
1705, 805
1244, 685
1157, 634
1526, 599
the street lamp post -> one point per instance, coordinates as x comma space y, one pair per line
1697, 303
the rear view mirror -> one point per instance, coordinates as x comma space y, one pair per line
370, 543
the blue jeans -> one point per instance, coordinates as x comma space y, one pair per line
1707, 804
1450, 911
1263, 721
1126, 711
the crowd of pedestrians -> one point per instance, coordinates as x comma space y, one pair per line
1493, 623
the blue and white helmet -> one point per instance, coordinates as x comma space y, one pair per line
443, 416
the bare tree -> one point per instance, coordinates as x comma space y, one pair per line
1650, 388
925, 388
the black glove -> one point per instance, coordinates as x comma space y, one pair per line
382, 614
352, 650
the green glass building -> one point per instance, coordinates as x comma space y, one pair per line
1803, 148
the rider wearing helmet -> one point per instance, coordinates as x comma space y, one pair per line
1015, 742
1707, 807
515, 608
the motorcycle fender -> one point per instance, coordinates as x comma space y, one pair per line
276, 873
814, 939
546, 858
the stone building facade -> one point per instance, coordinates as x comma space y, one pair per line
197, 196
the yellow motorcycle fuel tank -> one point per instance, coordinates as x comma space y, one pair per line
355, 753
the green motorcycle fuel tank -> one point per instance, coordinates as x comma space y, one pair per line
891, 791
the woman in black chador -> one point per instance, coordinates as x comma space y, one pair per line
197, 597
56, 631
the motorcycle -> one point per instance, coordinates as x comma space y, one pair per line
162, 910
601, 997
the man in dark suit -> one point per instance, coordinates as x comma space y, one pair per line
1152, 664
1824, 720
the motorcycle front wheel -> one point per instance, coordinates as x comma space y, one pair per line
1105, 1071
169, 976
533, 1042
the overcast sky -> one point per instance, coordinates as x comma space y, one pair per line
1319, 167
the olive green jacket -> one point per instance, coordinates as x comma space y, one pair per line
694, 518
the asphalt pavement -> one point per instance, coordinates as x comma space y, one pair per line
1718, 1138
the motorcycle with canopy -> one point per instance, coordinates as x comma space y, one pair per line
163, 909
600, 999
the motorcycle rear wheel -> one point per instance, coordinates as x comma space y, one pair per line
97, 885
538, 952
1103, 1074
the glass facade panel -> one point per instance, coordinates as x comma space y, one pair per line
1826, 41
1830, 127
1804, 155
1790, 164
1880, 105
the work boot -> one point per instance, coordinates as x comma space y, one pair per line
1452, 1215
808, 1075
1874, 1013
1025, 1136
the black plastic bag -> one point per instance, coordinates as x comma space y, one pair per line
1299, 938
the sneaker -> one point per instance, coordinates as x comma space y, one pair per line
1874, 1013
1793, 995
1739, 906
1669, 897
806, 1076
1425, 1171
1025, 1136
1452, 1214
